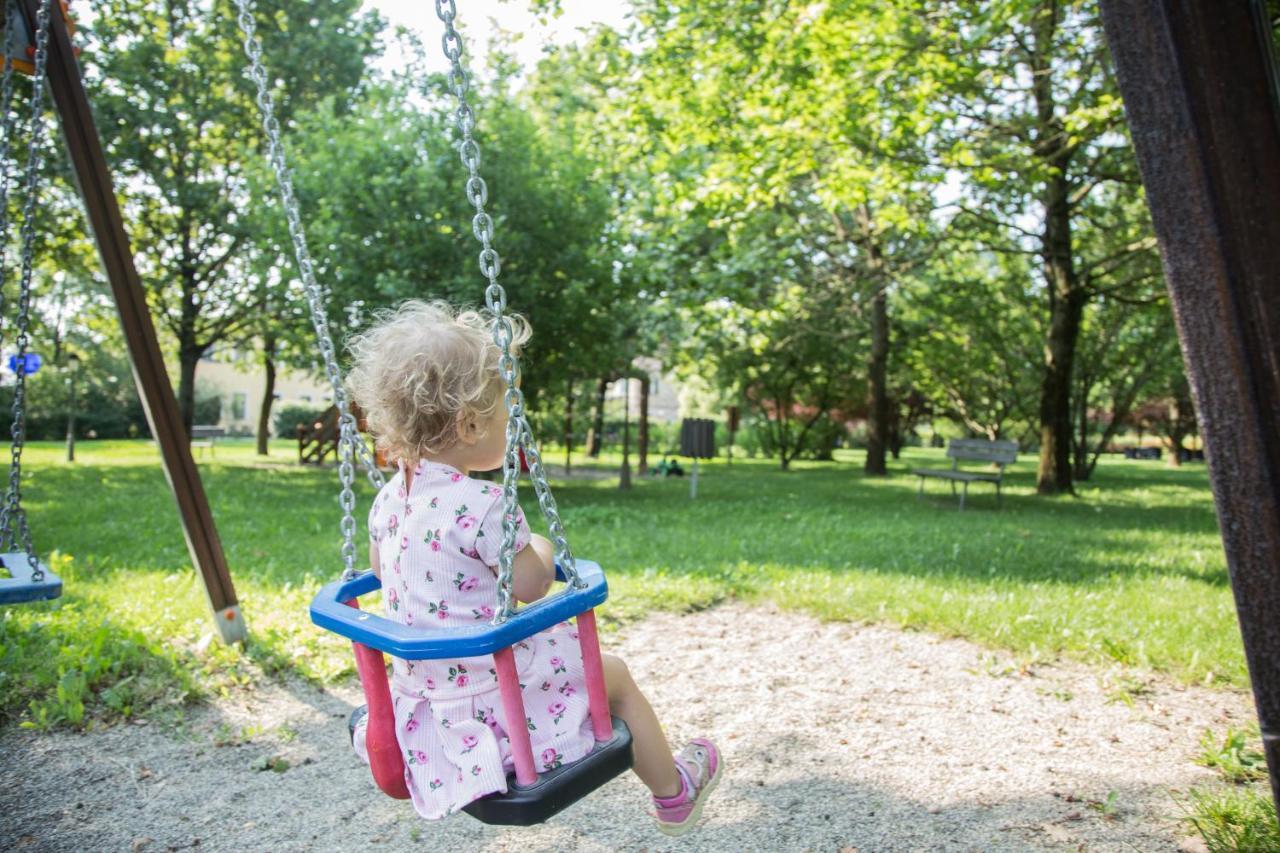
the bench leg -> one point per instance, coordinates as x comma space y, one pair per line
953, 488
964, 494
999, 502
920, 494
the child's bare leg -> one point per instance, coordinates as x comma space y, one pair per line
654, 763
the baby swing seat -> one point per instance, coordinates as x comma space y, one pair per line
530, 798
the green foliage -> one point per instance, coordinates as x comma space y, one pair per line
385, 196
286, 420
208, 407
969, 336
180, 125
1239, 820
63, 664
107, 403
1234, 757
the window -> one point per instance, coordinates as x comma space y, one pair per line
239, 406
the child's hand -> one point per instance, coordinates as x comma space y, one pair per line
534, 569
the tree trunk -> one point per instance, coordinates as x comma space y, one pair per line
878, 401
624, 475
1054, 475
642, 431
568, 428
1080, 468
188, 358
268, 394
1066, 296
595, 435
878, 404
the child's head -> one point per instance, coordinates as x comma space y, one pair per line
427, 378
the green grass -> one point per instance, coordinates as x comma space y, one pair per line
1235, 756
1130, 572
1240, 818
1235, 820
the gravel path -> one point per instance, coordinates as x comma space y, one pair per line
838, 737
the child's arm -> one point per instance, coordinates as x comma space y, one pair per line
534, 569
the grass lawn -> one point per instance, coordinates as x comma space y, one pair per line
1131, 571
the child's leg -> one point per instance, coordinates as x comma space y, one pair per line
654, 763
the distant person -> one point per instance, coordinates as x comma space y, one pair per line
667, 468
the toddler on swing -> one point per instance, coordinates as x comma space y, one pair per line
428, 381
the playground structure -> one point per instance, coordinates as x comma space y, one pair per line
1203, 111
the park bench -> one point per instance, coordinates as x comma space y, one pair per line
203, 437
998, 453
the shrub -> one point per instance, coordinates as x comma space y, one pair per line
286, 419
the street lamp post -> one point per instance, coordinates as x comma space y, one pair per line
73, 367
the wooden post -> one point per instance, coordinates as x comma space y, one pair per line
1199, 86
94, 180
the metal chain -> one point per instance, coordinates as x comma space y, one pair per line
13, 513
518, 431
10, 121
350, 447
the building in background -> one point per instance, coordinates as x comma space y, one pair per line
664, 393
240, 380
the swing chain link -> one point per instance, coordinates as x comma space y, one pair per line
14, 529
350, 447
518, 431
10, 125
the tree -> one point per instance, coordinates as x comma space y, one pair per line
970, 335
179, 123
384, 196
1125, 349
762, 108
1029, 110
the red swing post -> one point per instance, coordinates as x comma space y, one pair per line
385, 758
513, 706
593, 669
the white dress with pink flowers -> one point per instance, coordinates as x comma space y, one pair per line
438, 544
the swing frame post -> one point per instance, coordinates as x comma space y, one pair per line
103, 210
1200, 93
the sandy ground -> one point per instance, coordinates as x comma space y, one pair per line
837, 737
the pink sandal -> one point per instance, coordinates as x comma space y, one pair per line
699, 766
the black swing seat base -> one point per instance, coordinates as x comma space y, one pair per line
21, 585
557, 789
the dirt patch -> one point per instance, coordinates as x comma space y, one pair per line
836, 736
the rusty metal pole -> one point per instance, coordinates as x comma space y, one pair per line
94, 179
1198, 81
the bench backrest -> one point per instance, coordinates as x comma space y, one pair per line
207, 432
980, 450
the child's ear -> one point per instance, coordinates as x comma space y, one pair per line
468, 429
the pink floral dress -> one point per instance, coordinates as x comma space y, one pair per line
438, 545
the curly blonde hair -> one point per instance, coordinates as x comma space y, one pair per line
423, 369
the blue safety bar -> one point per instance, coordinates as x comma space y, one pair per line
19, 587
330, 611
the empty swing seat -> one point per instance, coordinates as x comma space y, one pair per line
21, 585
532, 799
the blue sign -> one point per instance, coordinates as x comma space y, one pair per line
29, 363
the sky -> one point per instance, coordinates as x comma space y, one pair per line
478, 17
